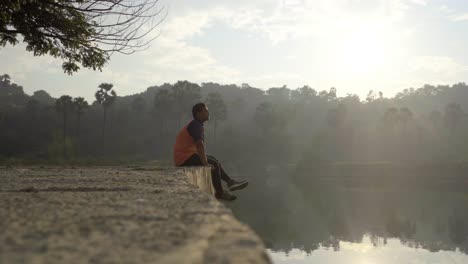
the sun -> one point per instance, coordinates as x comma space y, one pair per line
364, 49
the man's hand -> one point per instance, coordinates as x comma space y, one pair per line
206, 164
201, 152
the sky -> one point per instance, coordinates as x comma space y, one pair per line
352, 45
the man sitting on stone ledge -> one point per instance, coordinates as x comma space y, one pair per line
189, 150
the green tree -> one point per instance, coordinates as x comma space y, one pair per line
84, 32
303, 94
391, 117
279, 94
64, 106
405, 116
105, 96
43, 97
435, 117
5, 78
139, 115
162, 105
32, 107
453, 115
80, 105
139, 105
332, 94
217, 109
185, 94
371, 96
337, 116
265, 116
11, 94
329, 96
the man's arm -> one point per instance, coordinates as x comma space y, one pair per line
201, 152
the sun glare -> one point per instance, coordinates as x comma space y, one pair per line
364, 49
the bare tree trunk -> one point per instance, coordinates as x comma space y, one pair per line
103, 130
64, 134
161, 127
77, 133
215, 123
161, 132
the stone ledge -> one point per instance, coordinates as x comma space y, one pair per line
200, 177
117, 215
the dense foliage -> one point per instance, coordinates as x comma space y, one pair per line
249, 125
79, 32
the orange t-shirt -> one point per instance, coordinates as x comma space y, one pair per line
185, 146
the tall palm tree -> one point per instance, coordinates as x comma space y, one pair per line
105, 96
64, 106
80, 105
5, 78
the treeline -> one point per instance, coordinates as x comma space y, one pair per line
248, 125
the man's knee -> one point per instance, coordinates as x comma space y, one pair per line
214, 163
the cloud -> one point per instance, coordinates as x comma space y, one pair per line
190, 23
295, 19
170, 58
420, 2
173, 56
460, 17
437, 65
17, 61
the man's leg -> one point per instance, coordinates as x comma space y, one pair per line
232, 184
223, 173
194, 160
216, 178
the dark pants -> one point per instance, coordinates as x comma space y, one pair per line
217, 172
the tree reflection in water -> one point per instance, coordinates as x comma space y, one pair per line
321, 212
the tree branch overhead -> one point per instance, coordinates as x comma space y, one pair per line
82, 33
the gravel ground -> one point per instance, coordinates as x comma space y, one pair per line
117, 215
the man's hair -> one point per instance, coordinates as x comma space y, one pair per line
197, 108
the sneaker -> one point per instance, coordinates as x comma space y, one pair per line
225, 196
237, 185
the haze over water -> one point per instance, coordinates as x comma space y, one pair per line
305, 218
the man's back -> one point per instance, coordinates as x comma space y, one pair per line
185, 146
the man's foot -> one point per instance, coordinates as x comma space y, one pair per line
237, 185
225, 196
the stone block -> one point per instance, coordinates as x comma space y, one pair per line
201, 177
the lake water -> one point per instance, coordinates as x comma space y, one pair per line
313, 219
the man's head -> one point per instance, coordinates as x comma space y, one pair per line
200, 112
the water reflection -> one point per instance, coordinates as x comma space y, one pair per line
332, 215
366, 253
